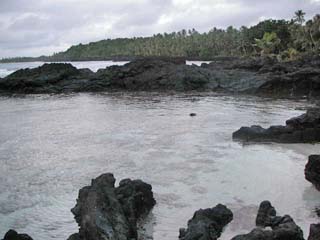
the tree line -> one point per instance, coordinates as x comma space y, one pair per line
283, 38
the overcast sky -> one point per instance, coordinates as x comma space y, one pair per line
36, 27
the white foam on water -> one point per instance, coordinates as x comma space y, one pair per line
5, 72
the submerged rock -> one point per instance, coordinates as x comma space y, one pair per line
207, 224
282, 228
106, 212
312, 170
302, 129
13, 235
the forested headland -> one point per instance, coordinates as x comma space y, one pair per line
285, 39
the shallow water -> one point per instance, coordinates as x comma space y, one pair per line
8, 68
51, 146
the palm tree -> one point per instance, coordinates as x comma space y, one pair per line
299, 16
268, 44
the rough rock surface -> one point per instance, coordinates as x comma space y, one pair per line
49, 78
294, 78
138, 75
233, 75
314, 232
302, 129
266, 214
282, 228
312, 170
207, 224
106, 212
13, 235
155, 74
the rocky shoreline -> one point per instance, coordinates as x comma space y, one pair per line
301, 129
260, 76
104, 211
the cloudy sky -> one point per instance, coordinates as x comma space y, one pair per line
36, 27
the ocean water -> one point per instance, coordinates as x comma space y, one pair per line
52, 145
8, 68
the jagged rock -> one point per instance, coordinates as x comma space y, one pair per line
13, 235
282, 228
106, 212
312, 170
207, 224
266, 214
136, 199
302, 129
314, 232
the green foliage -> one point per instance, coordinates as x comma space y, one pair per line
306, 38
268, 44
288, 55
186, 43
280, 27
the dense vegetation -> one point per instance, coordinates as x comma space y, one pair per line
286, 39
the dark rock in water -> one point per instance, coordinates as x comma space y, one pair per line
266, 214
311, 119
136, 199
155, 74
207, 224
74, 236
141, 74
193, 114
312, 170
13, 235
299, 82
174, 60
49, 78
294, 78
282, 228
314, 232
106, 212
262, 76
302, 129
256, 234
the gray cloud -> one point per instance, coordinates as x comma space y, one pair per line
36, 27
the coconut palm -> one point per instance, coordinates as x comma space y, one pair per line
299, 17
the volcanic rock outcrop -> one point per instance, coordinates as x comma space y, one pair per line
13, 235
104, 211
261, 76
312, 170
302, 129
282, 228
207, 224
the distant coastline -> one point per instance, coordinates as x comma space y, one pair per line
114, 59
283, 39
